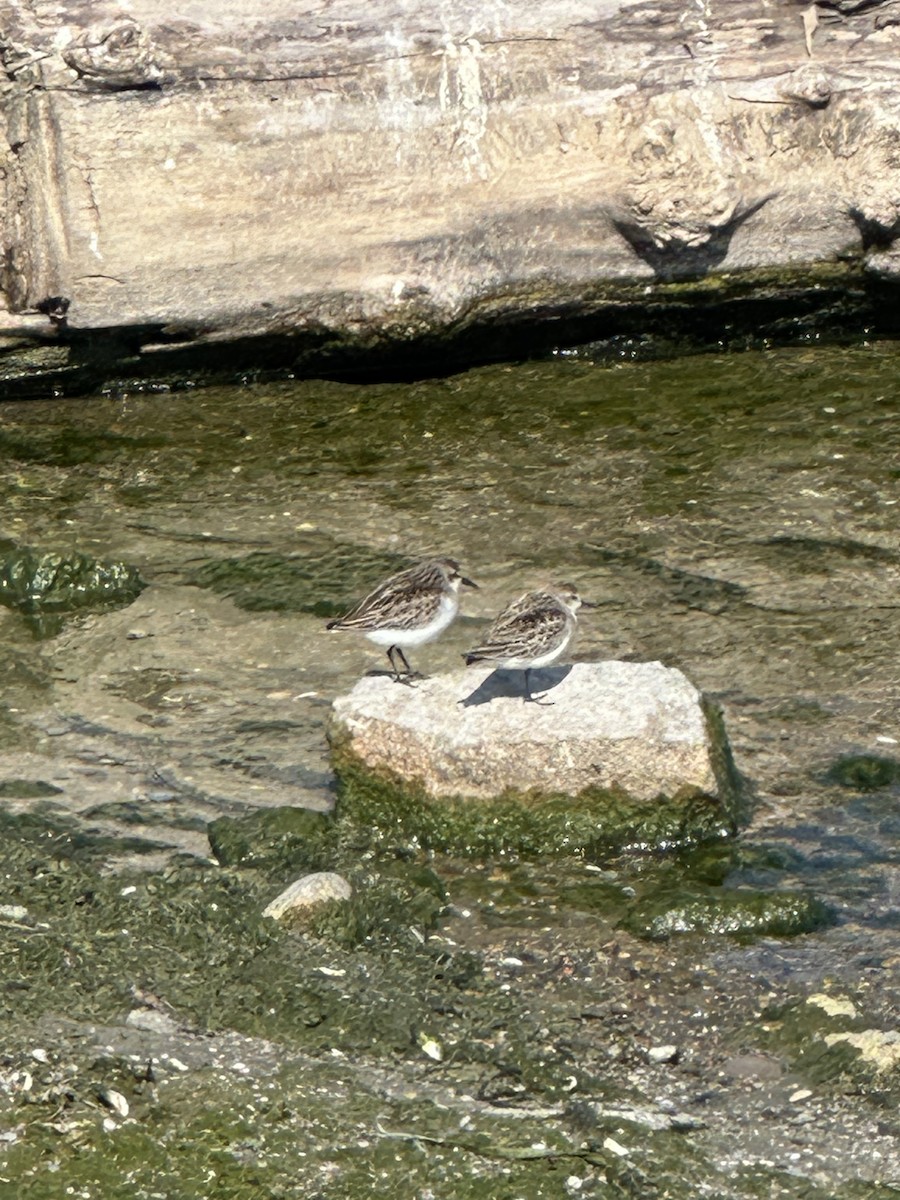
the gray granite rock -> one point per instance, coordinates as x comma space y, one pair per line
639, 727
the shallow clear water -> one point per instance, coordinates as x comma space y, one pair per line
734, 515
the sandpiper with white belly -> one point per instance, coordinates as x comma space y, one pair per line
408, 609
534, 631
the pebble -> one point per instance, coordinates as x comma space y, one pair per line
308, 891
662, 1054
152, 1020
13, 912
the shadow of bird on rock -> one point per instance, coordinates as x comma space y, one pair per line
506, 683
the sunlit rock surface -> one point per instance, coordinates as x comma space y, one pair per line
637, 728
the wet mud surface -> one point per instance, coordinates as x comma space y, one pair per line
734, 516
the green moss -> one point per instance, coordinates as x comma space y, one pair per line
645, 319
596, 823
661, 913
737, 861
280, 839
864, 772
595, 896
833, 1041
381, 910
27, 789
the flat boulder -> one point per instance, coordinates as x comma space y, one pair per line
616, 738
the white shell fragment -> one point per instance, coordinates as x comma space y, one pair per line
431, 1047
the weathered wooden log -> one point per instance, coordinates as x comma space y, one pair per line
372, 168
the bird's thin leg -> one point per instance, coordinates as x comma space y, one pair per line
398, 678
528, 696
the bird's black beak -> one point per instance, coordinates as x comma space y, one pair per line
468, 583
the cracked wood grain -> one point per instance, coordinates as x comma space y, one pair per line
372, 165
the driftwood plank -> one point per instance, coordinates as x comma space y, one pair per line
233, 168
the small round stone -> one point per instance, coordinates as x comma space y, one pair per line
307, 892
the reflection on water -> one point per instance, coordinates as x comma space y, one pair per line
734, 516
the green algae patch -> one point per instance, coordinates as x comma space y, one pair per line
864, 772
735, 792
738, 861
318, 1128
769, 1183
743, 913
401, 906
196, 936
275, 839
832, 1039
599, 822
46, 587
27, 789
324, 579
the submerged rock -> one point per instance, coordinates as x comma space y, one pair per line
308, 892
745, 912
616, 752
864, 772
47, 585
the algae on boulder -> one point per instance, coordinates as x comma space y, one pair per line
744, 912
51, 585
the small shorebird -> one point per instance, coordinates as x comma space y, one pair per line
533, 631
408, 609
